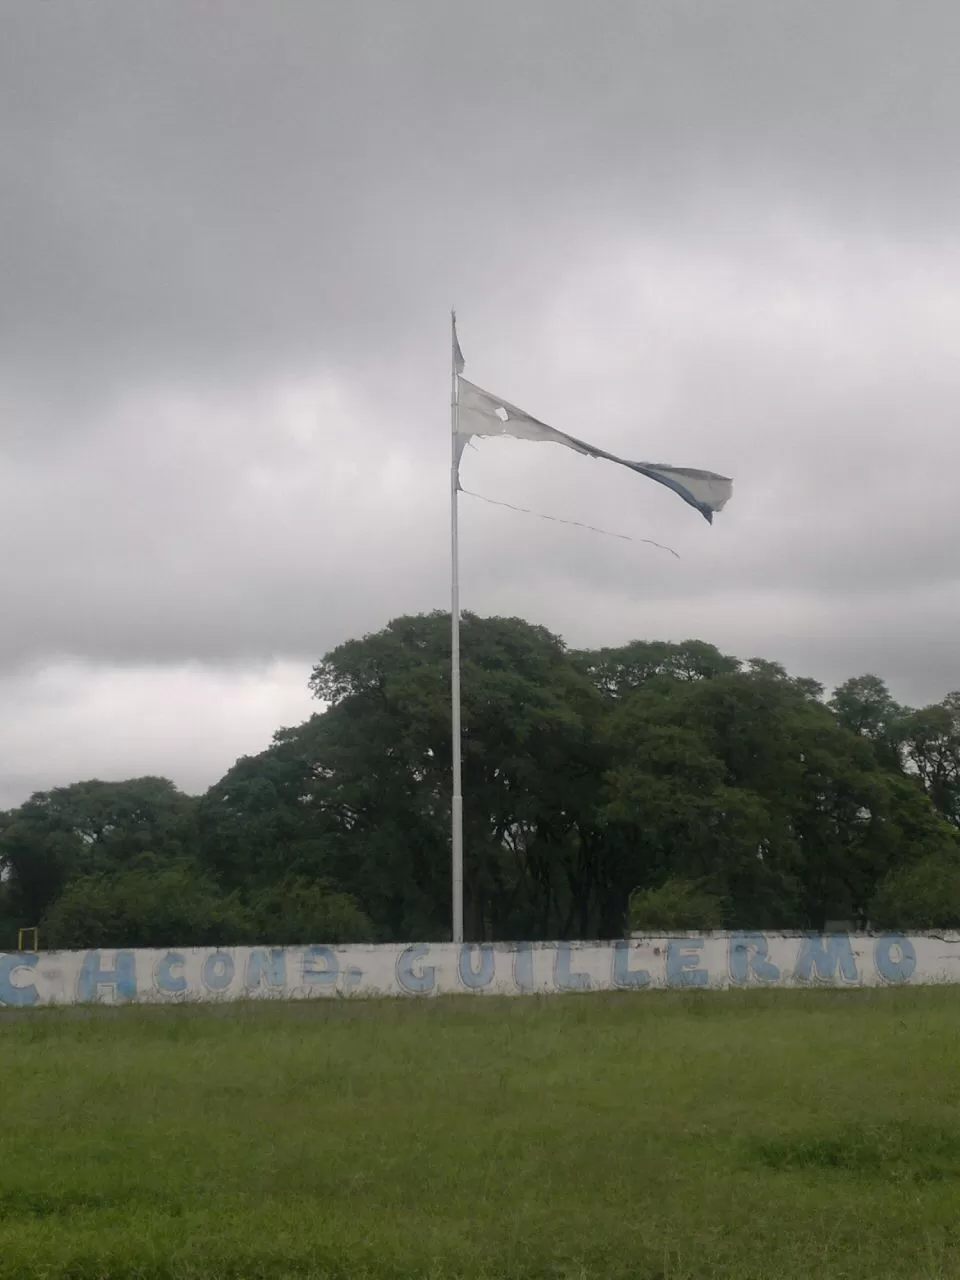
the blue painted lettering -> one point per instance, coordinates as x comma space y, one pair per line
563, 974
417, 984
623, 975
218, 971
748, 957
476, 979
683, 969
321, 968
266, 964
352, 978
895, 958
122, 978
17, 994
825, 953
523, 968
163, 976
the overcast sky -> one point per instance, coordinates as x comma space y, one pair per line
720, 235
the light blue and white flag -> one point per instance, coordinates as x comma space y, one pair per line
483, 414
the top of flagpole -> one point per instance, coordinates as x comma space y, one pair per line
458, 361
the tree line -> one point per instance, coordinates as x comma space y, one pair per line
654, 785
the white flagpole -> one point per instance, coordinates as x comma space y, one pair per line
456, 840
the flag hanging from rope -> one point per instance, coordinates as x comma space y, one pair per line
481, 414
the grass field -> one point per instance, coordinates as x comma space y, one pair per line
768, 1134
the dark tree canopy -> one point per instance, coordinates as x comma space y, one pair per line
670, 785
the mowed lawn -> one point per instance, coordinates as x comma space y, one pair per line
768, 1134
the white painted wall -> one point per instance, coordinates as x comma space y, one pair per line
642, 962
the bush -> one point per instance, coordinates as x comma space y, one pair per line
924, 896
299, 911
149, 905
144, 905
676, 904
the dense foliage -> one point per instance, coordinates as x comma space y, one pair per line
658, 785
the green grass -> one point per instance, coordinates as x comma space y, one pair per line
750, 1135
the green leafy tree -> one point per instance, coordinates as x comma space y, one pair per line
748, 779
360, 795
8, 920
865, 706
931, 744
591, 779
86, 829
529, 765
259, 823
618, 672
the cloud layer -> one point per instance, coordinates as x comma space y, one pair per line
719, 237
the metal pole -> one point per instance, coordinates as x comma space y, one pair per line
456, 840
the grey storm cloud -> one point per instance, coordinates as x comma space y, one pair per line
717, 235
189, 188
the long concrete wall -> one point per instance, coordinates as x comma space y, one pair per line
426, 969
